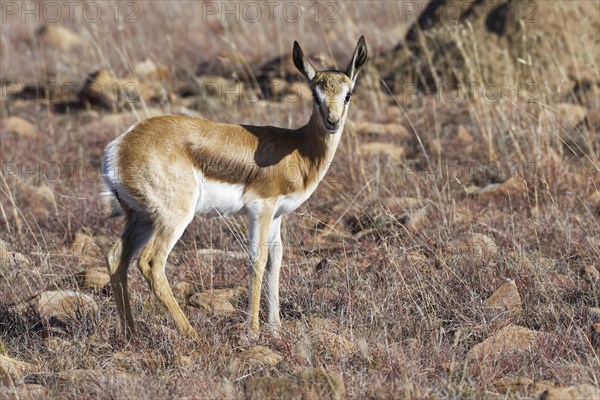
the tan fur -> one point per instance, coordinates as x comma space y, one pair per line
153, 170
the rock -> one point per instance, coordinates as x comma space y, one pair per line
594, 312
507, 385
375, 129
539, 386
103, 89
506, 297
509, 187
95, 278
383, 151
577, 392
591, 274
320, 335
40, 200
58, 36
311, 383
261, 356
147, 70
11, 260
510, 339
60, 309
222, 90
392, 214
23, 391
289, 92
182, 289
94, 382
322, 384
463, 136
594, 200
476, 246
85, 248
13, 369
595, 337
569, 115
215, 301
20, 127
272, 388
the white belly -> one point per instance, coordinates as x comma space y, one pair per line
225, 199
218, 198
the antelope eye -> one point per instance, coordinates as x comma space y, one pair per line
316, 98
348, 97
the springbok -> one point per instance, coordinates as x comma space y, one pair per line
164, 170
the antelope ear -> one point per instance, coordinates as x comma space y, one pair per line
358, 60
302, 63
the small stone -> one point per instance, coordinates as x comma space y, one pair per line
58, 36
510, 384
10, 260
569, 115
12, 368
212, 303
577, 392
23, 391
96, 278
60, 309
379, 129
86, 249
595, 337
103, 89
506, 297
20, 127
509, 339
542, 385
261, 356
594, 312
590, 273
476, 246
310, 383
383, 150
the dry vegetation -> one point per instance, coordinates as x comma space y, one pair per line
452, 251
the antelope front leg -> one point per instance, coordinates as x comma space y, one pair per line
258, 235
273, 268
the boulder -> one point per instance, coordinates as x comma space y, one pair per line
11, 260
216, 301
85, 248
13, 369
476, 247
23, 391
96, 278
104, 90
590, 273
20, 127
310, 383
59, 37
576, 392
390, 214
383, 151
261, 356
510, 339
505, 298
60, 310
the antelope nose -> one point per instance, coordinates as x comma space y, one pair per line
332, 121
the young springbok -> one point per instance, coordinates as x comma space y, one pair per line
164, 170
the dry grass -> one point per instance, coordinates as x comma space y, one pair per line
399, 300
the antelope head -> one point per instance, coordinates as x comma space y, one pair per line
332, 90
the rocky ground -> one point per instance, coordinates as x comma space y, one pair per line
451, 252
